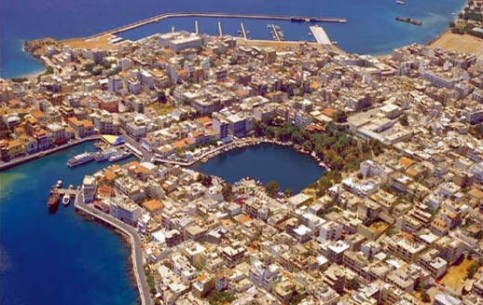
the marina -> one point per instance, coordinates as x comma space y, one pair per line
164, 16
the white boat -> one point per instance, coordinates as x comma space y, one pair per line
105, 155
80, 159
59, 184
66, 199
400, 2
121, 155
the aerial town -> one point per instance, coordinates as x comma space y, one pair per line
395, 219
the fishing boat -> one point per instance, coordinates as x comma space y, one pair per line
53, 202
66, 199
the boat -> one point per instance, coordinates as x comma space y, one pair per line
53, 202
104, 155
80, 159
400, 2
58, 184
119, 156
66, 199
409, 20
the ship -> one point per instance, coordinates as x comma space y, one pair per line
121, 155
400, 2
297, 19
409, 20
53, 202
80, 159
104, 155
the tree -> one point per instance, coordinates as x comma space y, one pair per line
272, 187
353, 284
404, 120
206, 180
227, 192
288, 192
473, 269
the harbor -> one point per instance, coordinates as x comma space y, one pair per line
59, 194
164, 16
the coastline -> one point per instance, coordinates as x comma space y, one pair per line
131, 237
27, 158
126, 243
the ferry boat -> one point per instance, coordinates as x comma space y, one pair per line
119, 156
80, 159
104, 155
66, 199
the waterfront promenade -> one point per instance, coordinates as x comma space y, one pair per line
27, 158
246, 142
136, 250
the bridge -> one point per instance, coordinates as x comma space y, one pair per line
136, 251
164, 16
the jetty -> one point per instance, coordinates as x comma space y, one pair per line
243, 31
320, 35
164, 16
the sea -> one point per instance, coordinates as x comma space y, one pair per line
57, 258
371, 26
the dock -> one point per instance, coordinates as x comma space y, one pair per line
277, 34
244, 32
164, 16
320, 35
220, 30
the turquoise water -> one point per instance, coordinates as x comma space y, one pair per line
265, 162
371, 27
60, 258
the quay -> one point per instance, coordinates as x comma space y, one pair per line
135, 240
320, 35
276, 33
220, 30
164, 16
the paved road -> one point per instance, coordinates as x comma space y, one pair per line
136, 251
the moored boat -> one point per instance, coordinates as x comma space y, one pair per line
66, 199
120, 155
53, 201
80, 159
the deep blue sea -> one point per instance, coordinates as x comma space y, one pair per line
265, 162
371, 27
61, 258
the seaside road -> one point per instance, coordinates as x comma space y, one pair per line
136, 251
